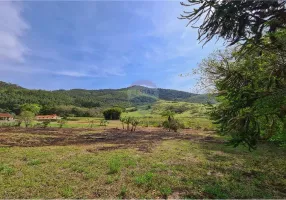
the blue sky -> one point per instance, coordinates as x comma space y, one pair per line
97, 44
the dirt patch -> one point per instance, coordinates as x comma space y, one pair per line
143, 139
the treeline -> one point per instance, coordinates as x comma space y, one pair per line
71, 102
79, 102
164, 94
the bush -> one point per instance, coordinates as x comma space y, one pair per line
103, 122
62, 122
173, 124
112, 113
46, 123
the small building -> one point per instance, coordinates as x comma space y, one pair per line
47, 117
6, 116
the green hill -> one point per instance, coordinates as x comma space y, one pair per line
80, 100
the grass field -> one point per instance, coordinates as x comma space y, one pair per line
148, 163
191, 115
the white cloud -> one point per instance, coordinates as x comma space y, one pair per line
91, 72
12, 28
73, 73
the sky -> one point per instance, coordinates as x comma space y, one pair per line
98, 44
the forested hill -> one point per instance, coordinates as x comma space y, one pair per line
12, 96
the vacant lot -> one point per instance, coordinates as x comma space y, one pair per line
148, 163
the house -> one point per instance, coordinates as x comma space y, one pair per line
47, 117
6, 116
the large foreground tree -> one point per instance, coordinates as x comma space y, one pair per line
251, 94
241, 21
251, 87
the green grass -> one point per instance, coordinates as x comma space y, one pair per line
192, 115
114, 165
191, 169
165, 191
145, 179
6, 170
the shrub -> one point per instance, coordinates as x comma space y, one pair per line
134, 123
103, 122
18, 123
112, 113
122, 120
62, 122
172, 124
46, 123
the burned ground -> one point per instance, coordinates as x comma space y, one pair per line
143, 139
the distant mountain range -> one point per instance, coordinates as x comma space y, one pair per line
11, 96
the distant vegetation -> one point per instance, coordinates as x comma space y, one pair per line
88, 103
112, 113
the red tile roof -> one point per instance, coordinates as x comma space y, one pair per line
6, 115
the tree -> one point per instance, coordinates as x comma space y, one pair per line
122, 120
103, 122
128, 122
134, 123
62, 122
251, 87
173, 124
34, 108
170, 115
27, 117
91, 123
236, 21
112, 113
251, 94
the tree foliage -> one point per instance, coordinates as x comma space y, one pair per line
34, 108
235, 21
112, 113
172, 124
83, 103
61, 122
250, 80
251, 92
27, 117
130, 120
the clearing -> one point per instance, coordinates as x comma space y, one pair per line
148, 163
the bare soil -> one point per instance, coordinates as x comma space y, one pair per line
143, 139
